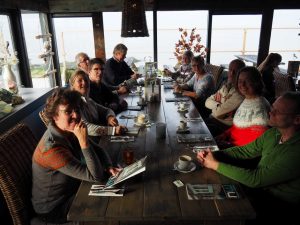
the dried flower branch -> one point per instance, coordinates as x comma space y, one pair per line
190, 42
6, 58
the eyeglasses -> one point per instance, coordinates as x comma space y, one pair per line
69, 112
277, 112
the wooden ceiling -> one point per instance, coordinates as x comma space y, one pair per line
80, 6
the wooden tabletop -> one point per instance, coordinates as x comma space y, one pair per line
151, 197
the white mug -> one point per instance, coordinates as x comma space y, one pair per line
182, 105
184, 162
182, 125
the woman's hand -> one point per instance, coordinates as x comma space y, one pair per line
177, 88
114, 170
112, 121
80, 131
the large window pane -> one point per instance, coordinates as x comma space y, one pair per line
39, 49
140, 48
73, 35
234, 35
5, 30
168, 24
285, 38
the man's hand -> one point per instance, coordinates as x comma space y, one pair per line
122, 90
207, 159
112, 121
218, 97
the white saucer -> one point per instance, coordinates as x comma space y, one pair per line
185, 130
183, 110
191, 168
141, 124
143, 104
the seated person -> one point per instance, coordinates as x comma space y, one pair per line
185, 72
251, 118
267, 68
99, 92
274, 182
117, 73
225, 101
94, 115
63, 158
199, 87
82, 61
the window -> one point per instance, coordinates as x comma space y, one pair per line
141, 48
38, 44
73, 35
285, 38
168, 32
5, 30
234, 35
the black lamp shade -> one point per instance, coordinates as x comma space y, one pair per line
134, 22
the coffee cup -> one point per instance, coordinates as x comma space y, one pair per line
161, 130
141, 118
184, 162
182, 125
141, 100
182, 105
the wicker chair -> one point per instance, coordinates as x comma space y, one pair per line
216, 71
283, 83
43, 117
16, 149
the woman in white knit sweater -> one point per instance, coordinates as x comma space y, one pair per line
250, 119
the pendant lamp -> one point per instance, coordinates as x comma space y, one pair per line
134, 22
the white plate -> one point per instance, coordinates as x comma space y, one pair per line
141, 124
180, 130
143, 104
191, 168
182, 110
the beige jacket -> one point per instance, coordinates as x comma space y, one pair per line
224, 110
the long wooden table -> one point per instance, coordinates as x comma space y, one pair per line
151, 197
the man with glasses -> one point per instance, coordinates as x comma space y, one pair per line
82, 61
276, 177
99, 92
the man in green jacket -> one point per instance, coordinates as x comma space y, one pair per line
277, 174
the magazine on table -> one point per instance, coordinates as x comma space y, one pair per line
211, 191
127, 172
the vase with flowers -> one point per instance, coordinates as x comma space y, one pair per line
6, 61
190, 42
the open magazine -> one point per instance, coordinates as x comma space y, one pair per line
127, 172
